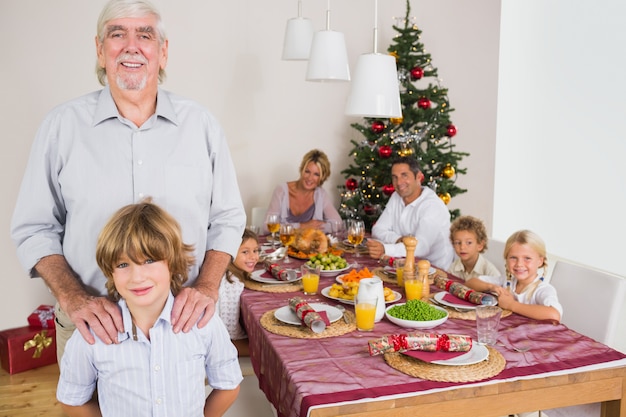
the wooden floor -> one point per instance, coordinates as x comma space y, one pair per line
30, 393
33, 393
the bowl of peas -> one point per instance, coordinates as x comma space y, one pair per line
416, 314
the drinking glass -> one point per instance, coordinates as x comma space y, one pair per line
310, 278
356, 233
287, 237
273, 225
487, 321
365, 311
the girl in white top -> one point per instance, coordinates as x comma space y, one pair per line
523, 291
228, 305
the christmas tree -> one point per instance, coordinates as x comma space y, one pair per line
425, 131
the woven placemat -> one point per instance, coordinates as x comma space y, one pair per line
272, 324
274, 288
351, 249
384, 276
446, 373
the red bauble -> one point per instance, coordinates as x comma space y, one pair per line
369, 209
388, 189
378, 126
385, 151
451, 130
351, 184
417, 73
423, 103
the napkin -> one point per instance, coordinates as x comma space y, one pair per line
279, 273
456, 300
314, 320
432, 356
463, 292
427, 342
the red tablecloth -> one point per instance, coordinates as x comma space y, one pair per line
296, 374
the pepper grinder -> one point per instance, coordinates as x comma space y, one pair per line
423, 267
410, 242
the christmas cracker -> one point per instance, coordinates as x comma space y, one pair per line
464, 293
427, 342
312, 319
279, 272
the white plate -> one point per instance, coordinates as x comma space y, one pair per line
333, 272
256, 276
477, 353
391, 270
439, 298
287, 315
326, 291
339, 278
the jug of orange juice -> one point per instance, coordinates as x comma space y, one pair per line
374, 287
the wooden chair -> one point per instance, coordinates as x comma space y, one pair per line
591, 301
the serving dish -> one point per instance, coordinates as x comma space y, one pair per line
333, 272
411, 324
326, 291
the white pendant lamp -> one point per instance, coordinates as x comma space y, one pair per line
328, 60
298, 37
375, 91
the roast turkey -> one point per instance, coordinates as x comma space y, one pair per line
311, 241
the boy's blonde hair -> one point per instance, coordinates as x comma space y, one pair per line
470, 224
526, 237
143, 231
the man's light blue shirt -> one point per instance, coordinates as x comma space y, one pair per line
87, 161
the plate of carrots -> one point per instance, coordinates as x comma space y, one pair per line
354, 276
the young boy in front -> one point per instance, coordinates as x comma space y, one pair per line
145, 261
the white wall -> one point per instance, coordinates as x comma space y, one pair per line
226, 55
560, 138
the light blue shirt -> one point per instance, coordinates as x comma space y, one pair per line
162, 376
87, 161
427, 218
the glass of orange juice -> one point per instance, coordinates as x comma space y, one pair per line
310, 278
413, 288
365, 310
399, 265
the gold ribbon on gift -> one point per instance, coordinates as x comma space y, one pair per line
39, 342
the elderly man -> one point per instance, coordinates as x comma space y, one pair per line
114, 147
416, 211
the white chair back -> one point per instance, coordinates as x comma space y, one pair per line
591, 299
257, 217
495, 254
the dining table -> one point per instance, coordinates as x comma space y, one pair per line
332, 373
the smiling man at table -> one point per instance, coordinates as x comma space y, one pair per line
412, 210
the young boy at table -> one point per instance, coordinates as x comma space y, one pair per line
469, 239
151, 370
228, 306
523, 291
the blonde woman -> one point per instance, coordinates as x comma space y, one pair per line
304, 202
